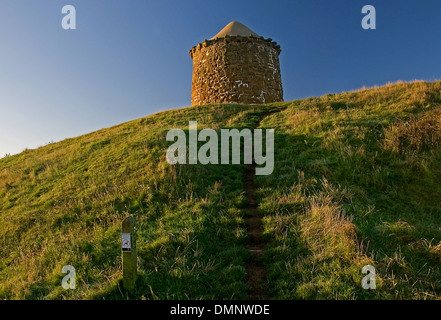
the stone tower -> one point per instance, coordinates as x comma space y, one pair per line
236, 66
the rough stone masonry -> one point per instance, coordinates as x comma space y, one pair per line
236, 66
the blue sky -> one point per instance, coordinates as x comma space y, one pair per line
129, 58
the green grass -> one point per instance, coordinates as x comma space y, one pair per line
356, 182
361, 185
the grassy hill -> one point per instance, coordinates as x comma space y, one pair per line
357, 181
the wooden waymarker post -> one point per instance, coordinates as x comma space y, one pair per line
129, 254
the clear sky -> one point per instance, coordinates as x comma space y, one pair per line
129, 58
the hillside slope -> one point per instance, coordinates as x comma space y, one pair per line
357, 181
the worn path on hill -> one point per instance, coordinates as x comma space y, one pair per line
256, 272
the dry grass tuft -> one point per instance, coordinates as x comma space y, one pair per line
415, 135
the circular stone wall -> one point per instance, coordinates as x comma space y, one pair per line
236, 69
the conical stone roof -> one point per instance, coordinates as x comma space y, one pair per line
235, 28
